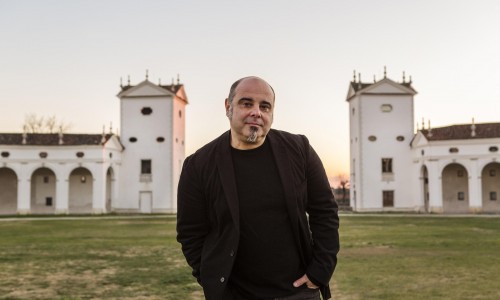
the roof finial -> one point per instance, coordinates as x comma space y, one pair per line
61, 135
103, 139
423, 124
159, 81
172, 81
25, 134
178, 79
110, 127
404, 77
385, 72
354, 76
410, 80
430, 130
121, 81
128, 80
473, 129
374, 78
359, 80
147, 75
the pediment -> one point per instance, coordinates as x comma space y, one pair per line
351, 92
145, 89
387, 86
113, 143
419, 140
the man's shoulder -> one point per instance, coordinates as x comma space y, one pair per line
299, 140
209, 149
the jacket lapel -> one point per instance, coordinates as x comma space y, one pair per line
282, 160
224, 162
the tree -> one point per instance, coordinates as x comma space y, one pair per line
343, 182
40, 124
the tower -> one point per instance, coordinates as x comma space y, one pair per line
152, 120
381, 129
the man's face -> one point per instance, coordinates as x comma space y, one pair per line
250, 113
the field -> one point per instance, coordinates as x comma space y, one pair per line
382, 257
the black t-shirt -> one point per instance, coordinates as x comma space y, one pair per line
267, 262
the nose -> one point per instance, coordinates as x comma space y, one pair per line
255, 112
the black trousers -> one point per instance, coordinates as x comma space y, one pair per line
302, 294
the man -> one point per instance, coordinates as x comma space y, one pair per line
256, 215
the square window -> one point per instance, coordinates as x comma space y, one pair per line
461, 196
48, 201
388, 198
493, 196
146, 166
386, 165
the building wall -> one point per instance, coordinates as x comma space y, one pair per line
146, 129
179, 147
385, 127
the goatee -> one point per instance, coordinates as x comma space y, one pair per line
252, 138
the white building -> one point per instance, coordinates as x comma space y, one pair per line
101, 173
453, 169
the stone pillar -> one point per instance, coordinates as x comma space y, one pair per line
475, 195
62, 195
435, 188
99, 190
23, 195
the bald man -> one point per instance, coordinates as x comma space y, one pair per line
256, 215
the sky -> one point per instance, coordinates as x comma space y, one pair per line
65, 59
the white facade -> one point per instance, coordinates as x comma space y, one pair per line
101, 173
394, 169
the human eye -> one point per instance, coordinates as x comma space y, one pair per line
246, 104
265, 107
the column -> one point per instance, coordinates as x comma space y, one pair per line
475, 197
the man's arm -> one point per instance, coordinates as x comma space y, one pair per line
323, 221
192, 216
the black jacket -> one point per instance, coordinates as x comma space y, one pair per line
208, 216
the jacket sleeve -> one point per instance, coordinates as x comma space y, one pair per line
322, 210
192, 220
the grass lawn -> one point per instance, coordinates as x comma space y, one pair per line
382, 257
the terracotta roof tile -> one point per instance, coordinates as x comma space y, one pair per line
463, 132
52, 139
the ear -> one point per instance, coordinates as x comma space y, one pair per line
227, 105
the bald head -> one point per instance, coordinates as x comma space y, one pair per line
234, 86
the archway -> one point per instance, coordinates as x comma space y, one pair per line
455, 181
80, 191
43, 191
110, 182
8, 191
490, 183
425, 187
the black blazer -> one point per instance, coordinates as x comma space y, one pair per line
208, 215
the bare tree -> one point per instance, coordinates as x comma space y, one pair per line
344, 182
40, 124
50, 124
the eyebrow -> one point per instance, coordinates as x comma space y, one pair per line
251, 99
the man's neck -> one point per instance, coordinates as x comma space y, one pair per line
240, 144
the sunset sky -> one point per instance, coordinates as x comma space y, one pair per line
66, 58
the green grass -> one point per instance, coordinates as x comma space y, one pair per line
382, 257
